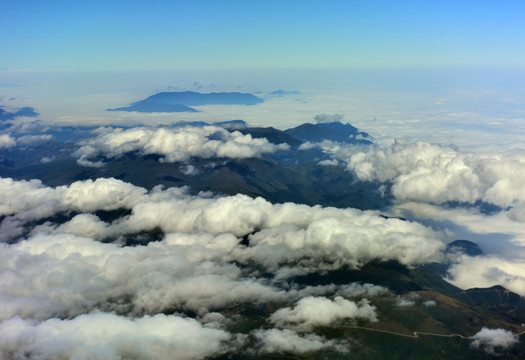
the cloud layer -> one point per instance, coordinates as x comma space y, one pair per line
71, 286
177, 144
319, 311
489, 339
72, 271
108, 336
425, 172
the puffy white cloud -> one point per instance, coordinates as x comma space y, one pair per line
286, 340
87, 225
281, 233
287, 233
201, 264
25, 201
31, 139
332, 162
349, 290
429, 303
332, 238
189, 170
319, 311
426, 172
404, 302
108, 336
488, 339
63, 275
174, 144
31, 200
487, 271
6, 141
322, 118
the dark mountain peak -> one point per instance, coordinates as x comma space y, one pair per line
192, 98
495, 295
271, 134
334, 131
464, 246
232, 124
25, 111
181, 101
146, 107
336, 125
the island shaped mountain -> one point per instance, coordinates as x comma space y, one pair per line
183, 101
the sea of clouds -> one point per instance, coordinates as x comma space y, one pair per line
70, 287
74, 289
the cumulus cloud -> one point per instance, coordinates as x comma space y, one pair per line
426, 172
487, 271
32, 200
429, 303
280, 233
208, 257
332, 162
177, 144
342, 237
489, 339
31, 139
319, 311
322, 118
108, 336
24, 201
6, 141
189, 170
63, 275
286, 340
404, 302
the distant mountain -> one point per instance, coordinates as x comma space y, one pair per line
182, 101
334, 131
496, 295
151, 108
272, 134
282, 92
232, 124
464, 246
25, 111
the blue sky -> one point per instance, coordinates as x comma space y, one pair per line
218, 35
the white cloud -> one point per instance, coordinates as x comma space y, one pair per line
322, 118
487, 271
62, 270
189, 170
108, 336
31, 139
341, 237
286, 340
429, 303
332, 162
404, 302
488, 339
282, 233
6, 141
32, 200
24, 201
431, 173
319, 311
63, 275
177, 144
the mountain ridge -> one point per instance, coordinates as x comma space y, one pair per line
182, 101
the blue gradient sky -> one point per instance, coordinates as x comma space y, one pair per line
217, 35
